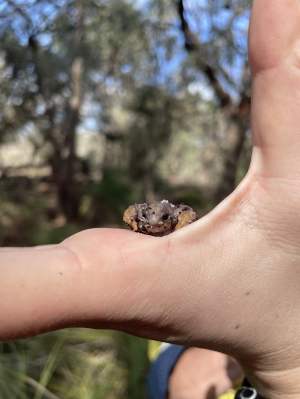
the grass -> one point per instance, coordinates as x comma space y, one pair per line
70, 364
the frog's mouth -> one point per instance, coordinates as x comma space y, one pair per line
158, 229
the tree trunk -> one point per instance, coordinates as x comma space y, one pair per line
68, 190
62, 138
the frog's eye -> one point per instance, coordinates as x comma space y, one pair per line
165, 216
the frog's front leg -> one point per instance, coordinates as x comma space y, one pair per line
185, 215
130, 217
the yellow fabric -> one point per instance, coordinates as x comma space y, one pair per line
228, 395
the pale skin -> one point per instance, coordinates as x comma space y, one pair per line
230, 281
203, 374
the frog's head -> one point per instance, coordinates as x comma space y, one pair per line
158, 218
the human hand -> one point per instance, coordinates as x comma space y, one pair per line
231, 281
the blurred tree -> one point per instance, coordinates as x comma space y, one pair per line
217, 47
149, 136
57, 64
63, 58
51, 98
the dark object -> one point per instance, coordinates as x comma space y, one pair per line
247, 392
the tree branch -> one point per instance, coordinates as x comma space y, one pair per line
19, 10
236, 114
193, 45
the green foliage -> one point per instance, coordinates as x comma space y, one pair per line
47, 234
134, 354
18, 205
71, 364
104, 202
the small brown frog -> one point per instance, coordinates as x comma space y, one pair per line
158, 218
